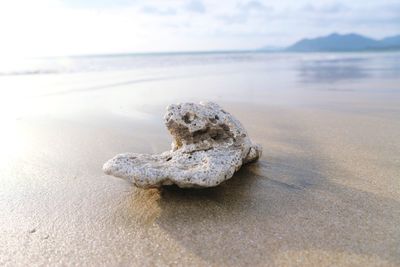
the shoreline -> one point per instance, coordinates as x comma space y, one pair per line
325, 191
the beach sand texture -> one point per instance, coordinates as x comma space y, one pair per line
326, 191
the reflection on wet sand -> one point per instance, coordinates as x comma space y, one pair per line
285, 208
325, 191
350, 68
253, 217
332, 71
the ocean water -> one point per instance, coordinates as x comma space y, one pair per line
124, 84
327, 186
310, 67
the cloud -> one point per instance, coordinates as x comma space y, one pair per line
98, 4
245, 11
330, 8
352, 17
252, 5
158, 11
118, 26
196, 6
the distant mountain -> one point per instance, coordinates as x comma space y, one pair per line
391, 41
344, 42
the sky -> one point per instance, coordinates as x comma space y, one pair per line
78, 27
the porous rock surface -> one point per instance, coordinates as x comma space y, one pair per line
209, 146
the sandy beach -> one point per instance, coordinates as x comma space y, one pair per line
326, 191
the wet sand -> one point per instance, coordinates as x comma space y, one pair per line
326, 191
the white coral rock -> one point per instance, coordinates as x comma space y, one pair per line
209, 146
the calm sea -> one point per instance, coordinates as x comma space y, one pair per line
309, 67
124, 84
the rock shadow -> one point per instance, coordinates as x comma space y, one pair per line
285, 204
280, 204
